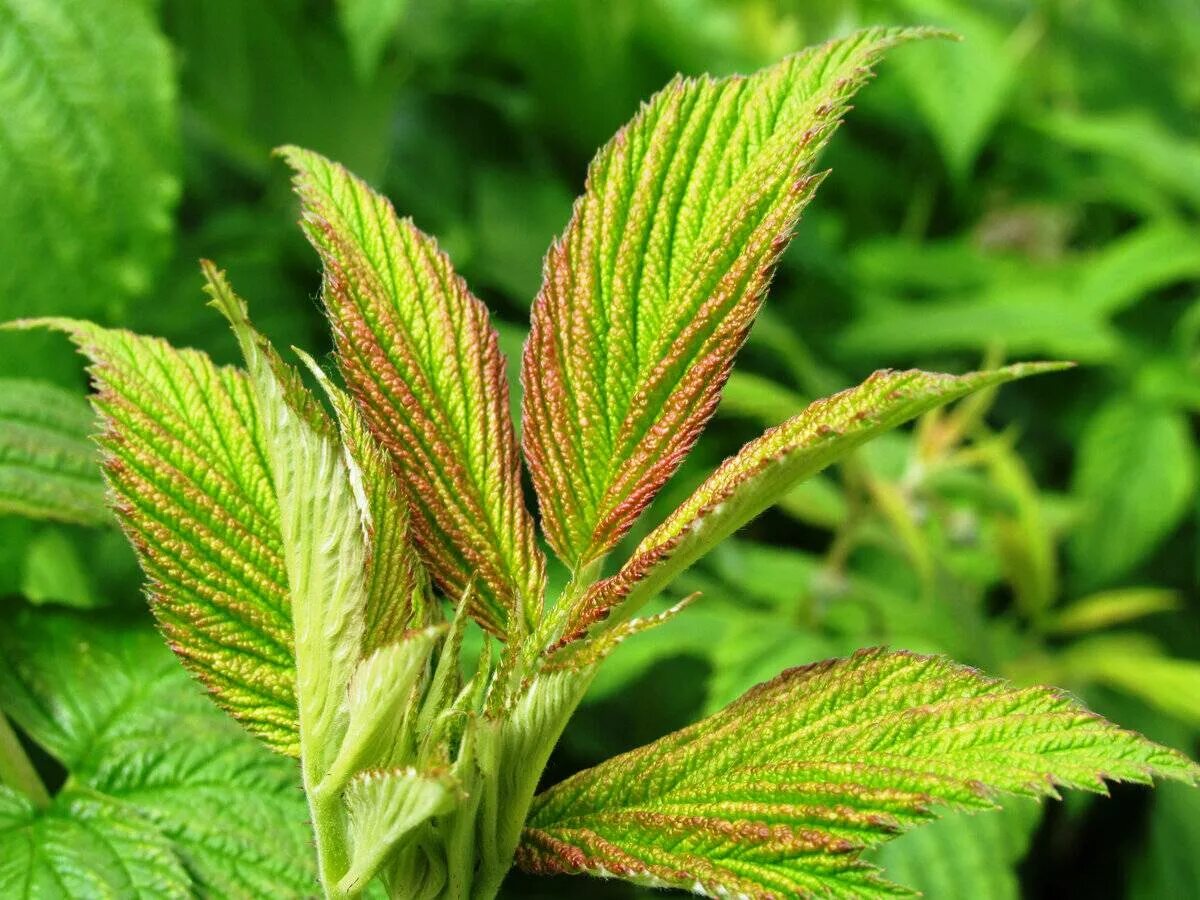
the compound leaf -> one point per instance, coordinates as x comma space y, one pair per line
778, 794
652, 288
420, 356
49, 468
154, 772
767, 467
185, 458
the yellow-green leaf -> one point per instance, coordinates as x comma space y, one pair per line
778, 794
764, 469
185, 457
421, 358
651, 290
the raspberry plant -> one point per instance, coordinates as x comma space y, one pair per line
318, 561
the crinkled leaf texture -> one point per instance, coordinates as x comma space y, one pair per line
186, 460
48, 463
166, 796
767, 467
651, 290
778, 794
420, 355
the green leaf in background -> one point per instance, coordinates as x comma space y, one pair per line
369, 25
781, 792
166, 796
961, 88
1113, 607
1170, 866
49, 467
964, 854
185, 459
1137, 665
1135, 475
89, 159
54, 572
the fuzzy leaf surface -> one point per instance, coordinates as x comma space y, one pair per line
651, 290
767, 467
184, 454
153, 769
421, 357
395, 579
322, 529
49, 467
778, 794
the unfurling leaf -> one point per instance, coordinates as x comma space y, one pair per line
322, 528
778, 794
764, 469
420, 356
49, 468
652, 288
396, 582
184, 453
386, 808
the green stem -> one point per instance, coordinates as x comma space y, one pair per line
333, 856
16, 770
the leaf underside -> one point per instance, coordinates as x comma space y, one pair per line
48, 463
419, 354
185, 459
778, 794
765, 468
652, 288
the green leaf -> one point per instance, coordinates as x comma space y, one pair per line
156, 773
49, 468
1169, 865
323, 531
1135, 474
1113, 608
368, 26
85, 846
1137, 665
964, 854
54, 573
652, 288
420, 356
378, 731
961, 89
185, 458
396, 581
89, 161
781, 792
764, 469
386, 807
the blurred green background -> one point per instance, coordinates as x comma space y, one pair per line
1030, 192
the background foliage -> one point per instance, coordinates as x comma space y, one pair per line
1033, 192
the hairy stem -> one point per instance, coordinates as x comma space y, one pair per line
16, 770
333, 857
